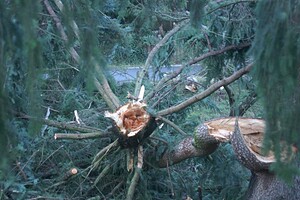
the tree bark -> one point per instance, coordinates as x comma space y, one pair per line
151, 55
206, 92
264, 185
246, 136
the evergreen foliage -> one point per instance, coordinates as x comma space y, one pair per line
277, 52
41, 71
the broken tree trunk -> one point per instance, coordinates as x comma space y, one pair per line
133, 123
246, 136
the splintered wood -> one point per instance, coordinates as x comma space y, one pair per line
130, 118
251, 129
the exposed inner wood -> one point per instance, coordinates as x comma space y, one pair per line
251, 129
130, 118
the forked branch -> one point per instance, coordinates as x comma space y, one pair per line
164, 80
152, 53
206, 92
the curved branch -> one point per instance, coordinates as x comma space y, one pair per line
206, 92
151, 55
184, 150
194, 61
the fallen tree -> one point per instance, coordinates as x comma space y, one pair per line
246, 136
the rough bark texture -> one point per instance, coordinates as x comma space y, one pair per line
246, 136
185, 149
244, 154
264, 185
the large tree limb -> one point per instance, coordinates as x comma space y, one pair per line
151, 55
246, 140
162, 82
184, 150
206, 92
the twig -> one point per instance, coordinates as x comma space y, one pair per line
114, 190
133, 184
130, 159
78, 120
140, 157
169, 175
62, 125
131, 97
101, 175
45, 126
191, 62
229, 4
99, 156
208, 42
80, 136
54, 152
21, 171
172, 125
151, 55
164, 95
206, 92
60, 28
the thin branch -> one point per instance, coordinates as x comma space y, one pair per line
249, 101
137, 172
172, 125
63, 125
206, 92
163, 95
191, 62
133, 184
103, 152
61, 30
102, 85
151, 55
217, 52
230, 95
114, 190
229, 4
80, 136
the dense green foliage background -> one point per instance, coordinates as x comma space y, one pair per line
39, 72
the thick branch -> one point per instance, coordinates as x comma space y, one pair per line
151, 55
61, 30
191, 62
102, 85
184, 150
206, 92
